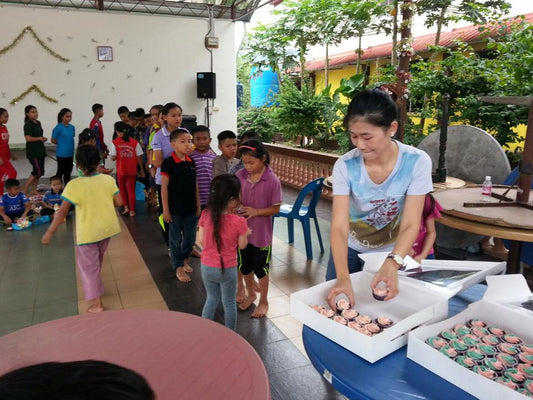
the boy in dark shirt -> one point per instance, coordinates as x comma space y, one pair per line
181, 201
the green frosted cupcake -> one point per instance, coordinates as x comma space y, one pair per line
526, 358
448, 335
480, 332
436, 342
494, 364
507, 382
458, 345
449, 352
484, 371
528, 385
475, 354
470, 340
515, 375
487, 349
461, 330
524, 392
526, 370
465, 361
508, 348
506, 359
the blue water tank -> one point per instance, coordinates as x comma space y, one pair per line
264, 86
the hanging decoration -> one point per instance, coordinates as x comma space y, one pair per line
29, 29
32, 88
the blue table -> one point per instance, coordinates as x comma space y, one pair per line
392, 377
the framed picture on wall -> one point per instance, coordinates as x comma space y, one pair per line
105, 53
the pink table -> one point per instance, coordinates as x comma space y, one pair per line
181, 355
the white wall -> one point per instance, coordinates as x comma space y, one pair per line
155, 61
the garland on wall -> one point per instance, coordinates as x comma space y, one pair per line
29, 29
32, 88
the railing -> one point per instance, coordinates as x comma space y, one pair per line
297, 167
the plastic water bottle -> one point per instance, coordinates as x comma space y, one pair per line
486, 189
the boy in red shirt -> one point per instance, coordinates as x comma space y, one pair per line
127, 152
7, 171
96, 126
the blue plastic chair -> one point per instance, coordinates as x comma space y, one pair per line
304, 214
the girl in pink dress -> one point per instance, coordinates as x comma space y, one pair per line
423, 246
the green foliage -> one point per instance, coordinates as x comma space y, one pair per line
303, 113
243, 76
466, 76
257, 119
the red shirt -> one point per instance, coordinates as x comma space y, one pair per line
5, 153
96, 126
126, 153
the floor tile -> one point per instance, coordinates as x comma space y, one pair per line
288, 325
16, 319
134, 283
54, 311
139, 297
281, 356
278, 306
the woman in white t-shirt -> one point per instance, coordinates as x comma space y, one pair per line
379, 190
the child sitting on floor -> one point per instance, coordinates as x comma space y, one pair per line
52, 198
95, 196
14, 205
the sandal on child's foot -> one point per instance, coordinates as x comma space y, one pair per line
125, 211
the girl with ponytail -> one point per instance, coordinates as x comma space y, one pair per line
221, 232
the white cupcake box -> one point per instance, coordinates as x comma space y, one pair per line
499, 306
417, 303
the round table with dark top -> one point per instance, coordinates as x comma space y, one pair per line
181, 355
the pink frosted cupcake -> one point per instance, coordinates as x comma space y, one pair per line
342, 305
349, 314
327, 313
476, 323
340, 320
373, 328
513, 339
384, 322
317, 308
380, 292
362, 319
527, 348
353, 325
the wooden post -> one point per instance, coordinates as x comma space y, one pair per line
403, 68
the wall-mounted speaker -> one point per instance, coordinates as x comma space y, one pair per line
206, 85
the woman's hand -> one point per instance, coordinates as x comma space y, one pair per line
388, 274
167, 217
343, 286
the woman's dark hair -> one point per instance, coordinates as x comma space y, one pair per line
224, 188
27, 109
169, 106
254, 148
86, 135
124, 128
87, 158
80, 380
2, 111
374, 106
61, 114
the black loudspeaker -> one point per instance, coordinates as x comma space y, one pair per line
206, 85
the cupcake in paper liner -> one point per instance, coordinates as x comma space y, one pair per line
380, 291
339, 319
448, 334
436, 342
458, 345
471, 340
514, 375
526, 348
384, 322
496, 330
510, 338
526, 369
373, 328
328, 313
475, 354
507, 360
461, 330
363, 319
465, 361
506, 382
524, 392
476, 323
480, 332
528, 385
487, 349
484, 371
490, 339
342, 305
494, 364
448, 351
349, 314
525, 358
508, 348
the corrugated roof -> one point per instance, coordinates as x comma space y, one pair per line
468, 34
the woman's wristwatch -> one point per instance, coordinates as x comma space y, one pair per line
397, 259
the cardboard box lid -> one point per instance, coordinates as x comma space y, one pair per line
507, 288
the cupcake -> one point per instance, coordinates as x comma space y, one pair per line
365, 331
349, 314
525, 358
528, 385
486, 349
507, 382
490, 339
465, 361
494, 364
327, 313
506, 359
496, 330
373, 328
475, 354
362, 319
479, 332
448, 351
354, 325
461, 330
380, 292
510, 338
436, 342
527, 348
476, 323
526, 370
514, 375
342, 304
448, 335
458, 345
484, 371
524, 392
470, 340
384, 322
340, 320
317, 308
508, 348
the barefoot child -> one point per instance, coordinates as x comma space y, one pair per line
52, 198
35, 150
181, 201
7, 171
261, 199
221, 231
14, 205
95, 196
423, 246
